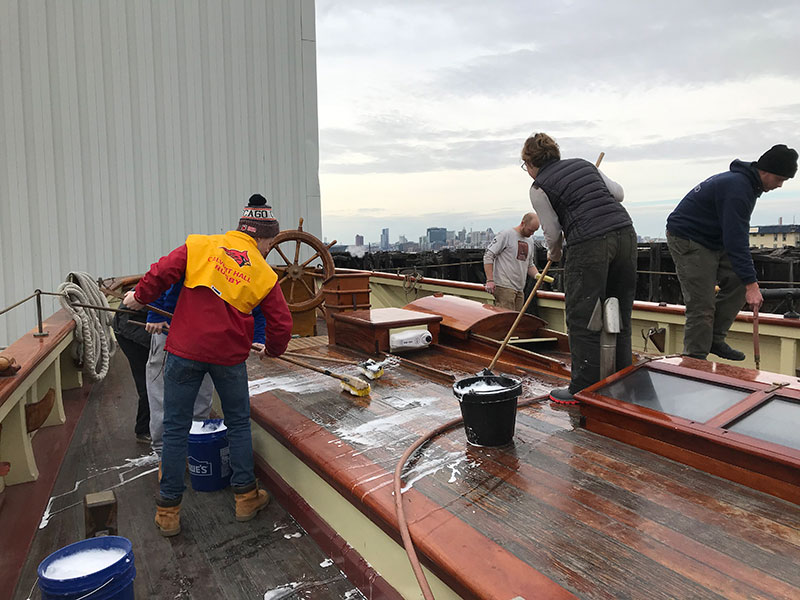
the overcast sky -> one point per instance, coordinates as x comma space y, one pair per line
424, 105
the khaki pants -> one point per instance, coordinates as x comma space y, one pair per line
708, 316
508, 298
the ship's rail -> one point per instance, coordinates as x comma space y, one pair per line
779, 336
32, 397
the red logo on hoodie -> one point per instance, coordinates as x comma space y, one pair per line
239, 256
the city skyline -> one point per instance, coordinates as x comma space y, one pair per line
429, 125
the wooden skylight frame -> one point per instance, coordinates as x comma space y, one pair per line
707, 444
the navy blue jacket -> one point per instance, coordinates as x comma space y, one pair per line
716, 214
169, 299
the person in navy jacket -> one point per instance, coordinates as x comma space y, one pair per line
708, 235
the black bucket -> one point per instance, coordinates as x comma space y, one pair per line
489, 408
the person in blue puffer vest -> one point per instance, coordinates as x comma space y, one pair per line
708, 235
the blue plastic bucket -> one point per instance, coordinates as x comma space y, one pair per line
59, 579
209, 456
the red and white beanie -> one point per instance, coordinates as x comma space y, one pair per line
257, 219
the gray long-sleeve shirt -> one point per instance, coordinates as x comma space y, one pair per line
511, 255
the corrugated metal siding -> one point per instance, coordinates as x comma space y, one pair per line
127, 124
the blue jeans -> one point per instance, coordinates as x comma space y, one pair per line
182, 379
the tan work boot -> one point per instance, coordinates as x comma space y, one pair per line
249, 502
168, 517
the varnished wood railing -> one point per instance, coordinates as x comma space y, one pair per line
779, 337
32, 398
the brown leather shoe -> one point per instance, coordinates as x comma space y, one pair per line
168, 518
250, 502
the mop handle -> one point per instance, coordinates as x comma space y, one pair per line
530, 297
519, 316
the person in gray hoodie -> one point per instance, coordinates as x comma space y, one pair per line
708, 235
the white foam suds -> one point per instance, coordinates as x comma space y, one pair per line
281, 592
83, 563
146, 460
326, 563
298, 383
427, 467
209, 426
377, 432
289, 536
481, 387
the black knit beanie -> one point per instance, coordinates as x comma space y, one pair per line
257, 219
779, 160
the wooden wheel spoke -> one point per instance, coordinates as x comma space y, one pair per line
303, 266
294, 271
277, 248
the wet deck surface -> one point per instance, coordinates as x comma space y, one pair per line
599, 518
270, 557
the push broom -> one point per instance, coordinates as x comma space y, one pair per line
353, 385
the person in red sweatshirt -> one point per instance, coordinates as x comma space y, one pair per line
225, 277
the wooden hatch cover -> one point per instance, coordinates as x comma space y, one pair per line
460, 317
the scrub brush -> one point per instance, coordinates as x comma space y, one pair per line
371, 368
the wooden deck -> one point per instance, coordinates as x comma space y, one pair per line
215, 557
562, 512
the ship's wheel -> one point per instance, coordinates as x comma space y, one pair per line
320, 266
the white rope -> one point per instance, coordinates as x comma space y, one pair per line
93, 332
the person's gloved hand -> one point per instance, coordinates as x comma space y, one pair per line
547, 278
490, 286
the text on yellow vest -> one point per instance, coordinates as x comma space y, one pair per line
231, 266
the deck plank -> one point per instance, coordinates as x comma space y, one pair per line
602, 519
214, 557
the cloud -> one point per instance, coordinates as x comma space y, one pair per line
425, 105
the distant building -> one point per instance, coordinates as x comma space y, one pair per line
774, 236
402, 240
437, 234
359, 240
385, 239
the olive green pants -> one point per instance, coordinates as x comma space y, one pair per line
708, 316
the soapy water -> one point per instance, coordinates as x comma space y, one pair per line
481, 386
208, 426
83, 563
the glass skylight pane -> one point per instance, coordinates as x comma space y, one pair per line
677, 396
777, 421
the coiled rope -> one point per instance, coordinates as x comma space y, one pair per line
93, 332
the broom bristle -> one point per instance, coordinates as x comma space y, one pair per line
371, 373
356, 387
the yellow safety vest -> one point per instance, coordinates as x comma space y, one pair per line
231, 266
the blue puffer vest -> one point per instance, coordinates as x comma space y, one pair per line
578, 194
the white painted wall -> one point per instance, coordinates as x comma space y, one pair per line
127, 124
